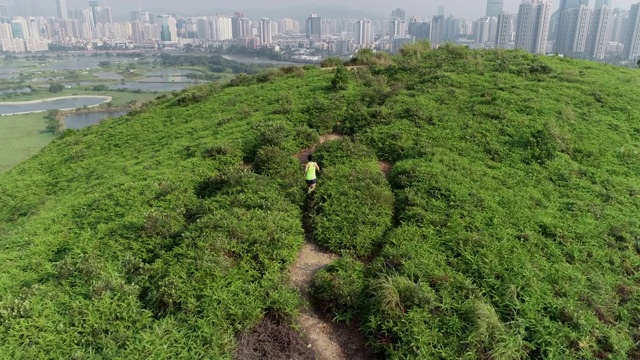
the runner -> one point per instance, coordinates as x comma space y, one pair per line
310, 173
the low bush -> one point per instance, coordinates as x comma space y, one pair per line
339, 288
355, 204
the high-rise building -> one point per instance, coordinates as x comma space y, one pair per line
5, 31
504, 30
570, 4
437, 34
554, 22
235, 25
20, 28
289, 26
33, 27
364, 32
61, 5
599, 32
314, 26
105, 16
601, 3
486, 30
573, 30
494, 7
95, 9
399, 14
418, 29
632, 34
532, 27
168, 29
618, 27
265, 31
397, 28
4, 11
441, 10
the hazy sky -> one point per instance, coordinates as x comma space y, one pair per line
460, 8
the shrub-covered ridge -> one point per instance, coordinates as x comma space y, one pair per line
506, 229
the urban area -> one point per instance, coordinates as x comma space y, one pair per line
575, 29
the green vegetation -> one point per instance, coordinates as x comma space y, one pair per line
214, 63
506, 229
24, 135
56, 88
21, 136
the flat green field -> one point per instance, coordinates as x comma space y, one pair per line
21, 136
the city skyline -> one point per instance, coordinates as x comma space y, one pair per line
575, 28
459, 8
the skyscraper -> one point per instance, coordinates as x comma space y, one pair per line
95, 9
437, 30
19, 28
168, 28
397, 28
569, 4
235, 25
632, 34
62, 9
265, 31
554, 23
494, 7
504, 32
314, 26
599, 32
364, 32
4, 11
105, 16
601, 3
532, 27
573, 30
419, 29
399, 14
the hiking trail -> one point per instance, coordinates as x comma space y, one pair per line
328, 340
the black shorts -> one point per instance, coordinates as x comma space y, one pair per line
311, 182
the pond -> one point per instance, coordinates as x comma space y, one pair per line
106, 75
253, 60
171, 72
166, 79
60, 103
152, 86
80, 121
15, 91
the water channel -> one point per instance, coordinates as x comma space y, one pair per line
61, 103
80, 121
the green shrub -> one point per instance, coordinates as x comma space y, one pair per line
340, 79
339, 287
355, 204
331, 62
324, 115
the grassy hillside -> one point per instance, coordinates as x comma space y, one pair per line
507, 227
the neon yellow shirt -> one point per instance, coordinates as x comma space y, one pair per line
311, 171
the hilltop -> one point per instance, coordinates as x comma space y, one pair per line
503, 225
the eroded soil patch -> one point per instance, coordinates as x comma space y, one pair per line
272, 339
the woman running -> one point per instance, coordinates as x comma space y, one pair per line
310, 173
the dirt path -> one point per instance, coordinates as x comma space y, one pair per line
328, 340
302, 155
